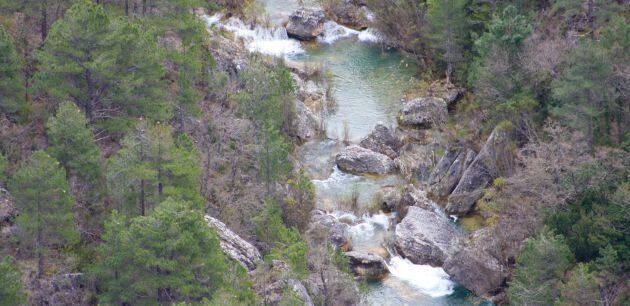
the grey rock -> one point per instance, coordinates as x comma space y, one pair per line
366, 264
305, 124
337, 231
389, 198
425, 237
235, 246
424, 113
416, 160
306, 23
472, 267
483, 169
272, 290
358, 160
449, 170
382, 140
7, 208
350, 13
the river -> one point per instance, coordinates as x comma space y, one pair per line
368, 85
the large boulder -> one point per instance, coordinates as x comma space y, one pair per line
389, 198
235, 246
272, 282
382, 140
416, 160
493, 158
449, 170
306, 23
474, 268
305, 124
424, 113
367, 264
337, 231
350, 13
425, 237
358, 160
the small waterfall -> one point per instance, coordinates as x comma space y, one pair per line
431, 281
334, 31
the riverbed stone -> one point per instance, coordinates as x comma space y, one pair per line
425, 237
305, 124
382, 140
367, 264
358, 160
306, 23
235, 246
337, 231
449, 170
423, 113
350, 13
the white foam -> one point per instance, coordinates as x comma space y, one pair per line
270, 41
369, 35
429, 280
334, 31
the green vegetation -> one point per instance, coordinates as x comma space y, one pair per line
11, 292
167, 257
43, 197
11, 84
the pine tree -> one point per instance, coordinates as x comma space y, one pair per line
449, 30
542, 261
111, 68
45, 203
71, 142
152, 166
583, 89
11, 292
12, 93
169, 256
43, 12
273, 156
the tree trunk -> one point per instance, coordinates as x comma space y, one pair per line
44, 22
144, 7
142, 203
40, 254
127, 8
449, 72
590, 17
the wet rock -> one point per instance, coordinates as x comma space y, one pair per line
382, 140
449, 170
235, 246
474, 268
493, 157
425, 237
424, 113
366, 264
305, 125
337, 231
389, 198
306, 23
414, 196
358, 160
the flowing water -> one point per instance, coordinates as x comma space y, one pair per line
368, 85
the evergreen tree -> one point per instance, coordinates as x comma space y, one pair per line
273, 156
169, 256
43, 12
581, 288
110, 68
71, 142
45, 203
11, 292
542, 261
152, 166
12, 93
449, 24
583, 90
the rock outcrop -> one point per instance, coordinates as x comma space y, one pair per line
389, 198
449, 170
337, 231
306, 23
7, 209
424, 113
425, 237
474, 268
235, 246
351, 13
358, 160
367, 265
305, 125
275, 282
416, 161
382, 140
493, 157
